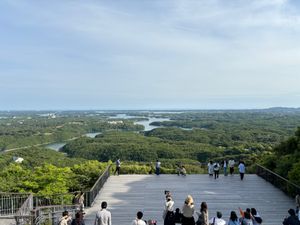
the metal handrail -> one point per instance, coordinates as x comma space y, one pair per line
93, 192
51, 214
278, 181
10, 203
24, 212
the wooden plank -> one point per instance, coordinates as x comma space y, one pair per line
127, 194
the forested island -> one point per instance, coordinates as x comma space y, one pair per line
270, 137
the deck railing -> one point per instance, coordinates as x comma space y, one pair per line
278, 181
90, 195
23, 215
51, 214
10, 203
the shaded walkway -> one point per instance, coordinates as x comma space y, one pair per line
126, 194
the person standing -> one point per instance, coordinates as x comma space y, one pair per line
78, 219
81, 201
210, 167
138, 220
231, 166
233, 220
203, 215
242, 169
216, 169
103, 217
292, 219
118, 167
157, 167
225, 167
218, 220
188, 211
169, 218
65, 219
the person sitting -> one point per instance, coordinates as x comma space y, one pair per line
182, 171
292, 219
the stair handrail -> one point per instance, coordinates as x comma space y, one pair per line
278, 181
93, 192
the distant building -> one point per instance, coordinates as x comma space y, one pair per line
18, 159
115, 122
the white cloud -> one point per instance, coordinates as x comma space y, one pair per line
156, 49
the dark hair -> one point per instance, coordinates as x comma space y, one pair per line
248, 210
233, 216
219, 214
253, 211
258, 219
247, 215
104, 205
77, 215
203, 207
65, 213
292, 212
139, 215
177, 210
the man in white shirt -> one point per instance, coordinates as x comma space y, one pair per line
138, 220
157, 167
103, 217
217, 220
231, 166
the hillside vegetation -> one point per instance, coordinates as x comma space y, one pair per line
188, 138
285, 159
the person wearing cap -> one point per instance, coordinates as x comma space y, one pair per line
217, 220
292, 219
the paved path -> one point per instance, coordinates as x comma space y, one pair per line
127, 194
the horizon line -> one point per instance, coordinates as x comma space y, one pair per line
152, 109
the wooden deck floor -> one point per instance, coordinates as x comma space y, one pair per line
127, 194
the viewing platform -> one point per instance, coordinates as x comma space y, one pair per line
127, 194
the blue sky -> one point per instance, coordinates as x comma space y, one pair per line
142, 54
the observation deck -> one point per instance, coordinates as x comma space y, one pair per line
127, 194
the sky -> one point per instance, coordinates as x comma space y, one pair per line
149, 54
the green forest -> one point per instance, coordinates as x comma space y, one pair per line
269, 137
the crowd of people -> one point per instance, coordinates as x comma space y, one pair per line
186, 215
214, 168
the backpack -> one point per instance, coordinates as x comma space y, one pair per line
216, 167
